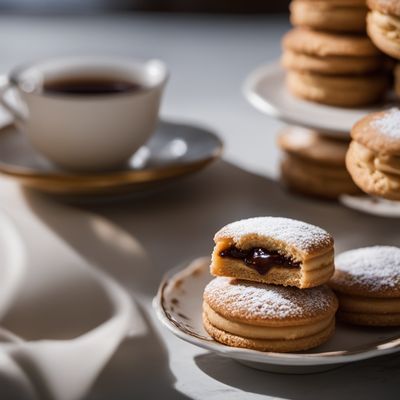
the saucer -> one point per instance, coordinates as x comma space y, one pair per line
178, 305
174, 150
265, 89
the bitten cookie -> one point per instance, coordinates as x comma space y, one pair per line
367, 283
330, 15
373, 158
314, 164
383, 25
280, 251
268, 317
339, 70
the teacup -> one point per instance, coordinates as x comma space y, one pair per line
86, 113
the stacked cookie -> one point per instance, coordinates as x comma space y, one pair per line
314, 164
383, 25
373, 158
269, 291
329, 15
367, 283
329, 58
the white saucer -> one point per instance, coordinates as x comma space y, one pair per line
178, 305
265, 89
175, 150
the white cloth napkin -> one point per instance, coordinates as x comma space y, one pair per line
62, 319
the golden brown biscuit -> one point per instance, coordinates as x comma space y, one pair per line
268, 317
273, 250
323, 44
383, 25
329, 15
314, 164
373, 158
330, 65
340, 91
316, 180
367, 283
379, 131
314, 146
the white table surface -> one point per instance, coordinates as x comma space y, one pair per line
137, 241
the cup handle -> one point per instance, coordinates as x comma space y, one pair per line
6, 85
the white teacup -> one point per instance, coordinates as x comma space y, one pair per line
86, 130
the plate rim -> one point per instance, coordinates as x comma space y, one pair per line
293, 359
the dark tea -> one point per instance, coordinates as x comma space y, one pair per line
90, 86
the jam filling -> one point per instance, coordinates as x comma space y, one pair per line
260, 259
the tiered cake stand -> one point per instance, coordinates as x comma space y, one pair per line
265, 89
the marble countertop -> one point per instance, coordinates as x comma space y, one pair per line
137, 241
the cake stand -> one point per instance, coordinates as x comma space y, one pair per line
265, 90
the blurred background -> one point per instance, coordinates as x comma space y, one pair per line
185, 6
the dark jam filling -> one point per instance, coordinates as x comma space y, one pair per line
260, 259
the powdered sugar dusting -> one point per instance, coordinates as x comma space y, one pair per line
374, 268
389, 124
296, 233
249, 300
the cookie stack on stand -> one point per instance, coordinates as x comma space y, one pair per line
329, 60
269, 293
329, 57
335, 69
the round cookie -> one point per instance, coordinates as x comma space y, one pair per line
326, 53
314, 164
373, 158
268, 317
329, 15
316, 180
340, 91
383, 25
273, 250
314, 146
367, 283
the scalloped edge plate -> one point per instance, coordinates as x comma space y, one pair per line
178, 306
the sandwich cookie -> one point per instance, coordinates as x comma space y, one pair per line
383, 25
367, 283
314, 164
268, 317
279, 251
339, 70
330, 15
373, 158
